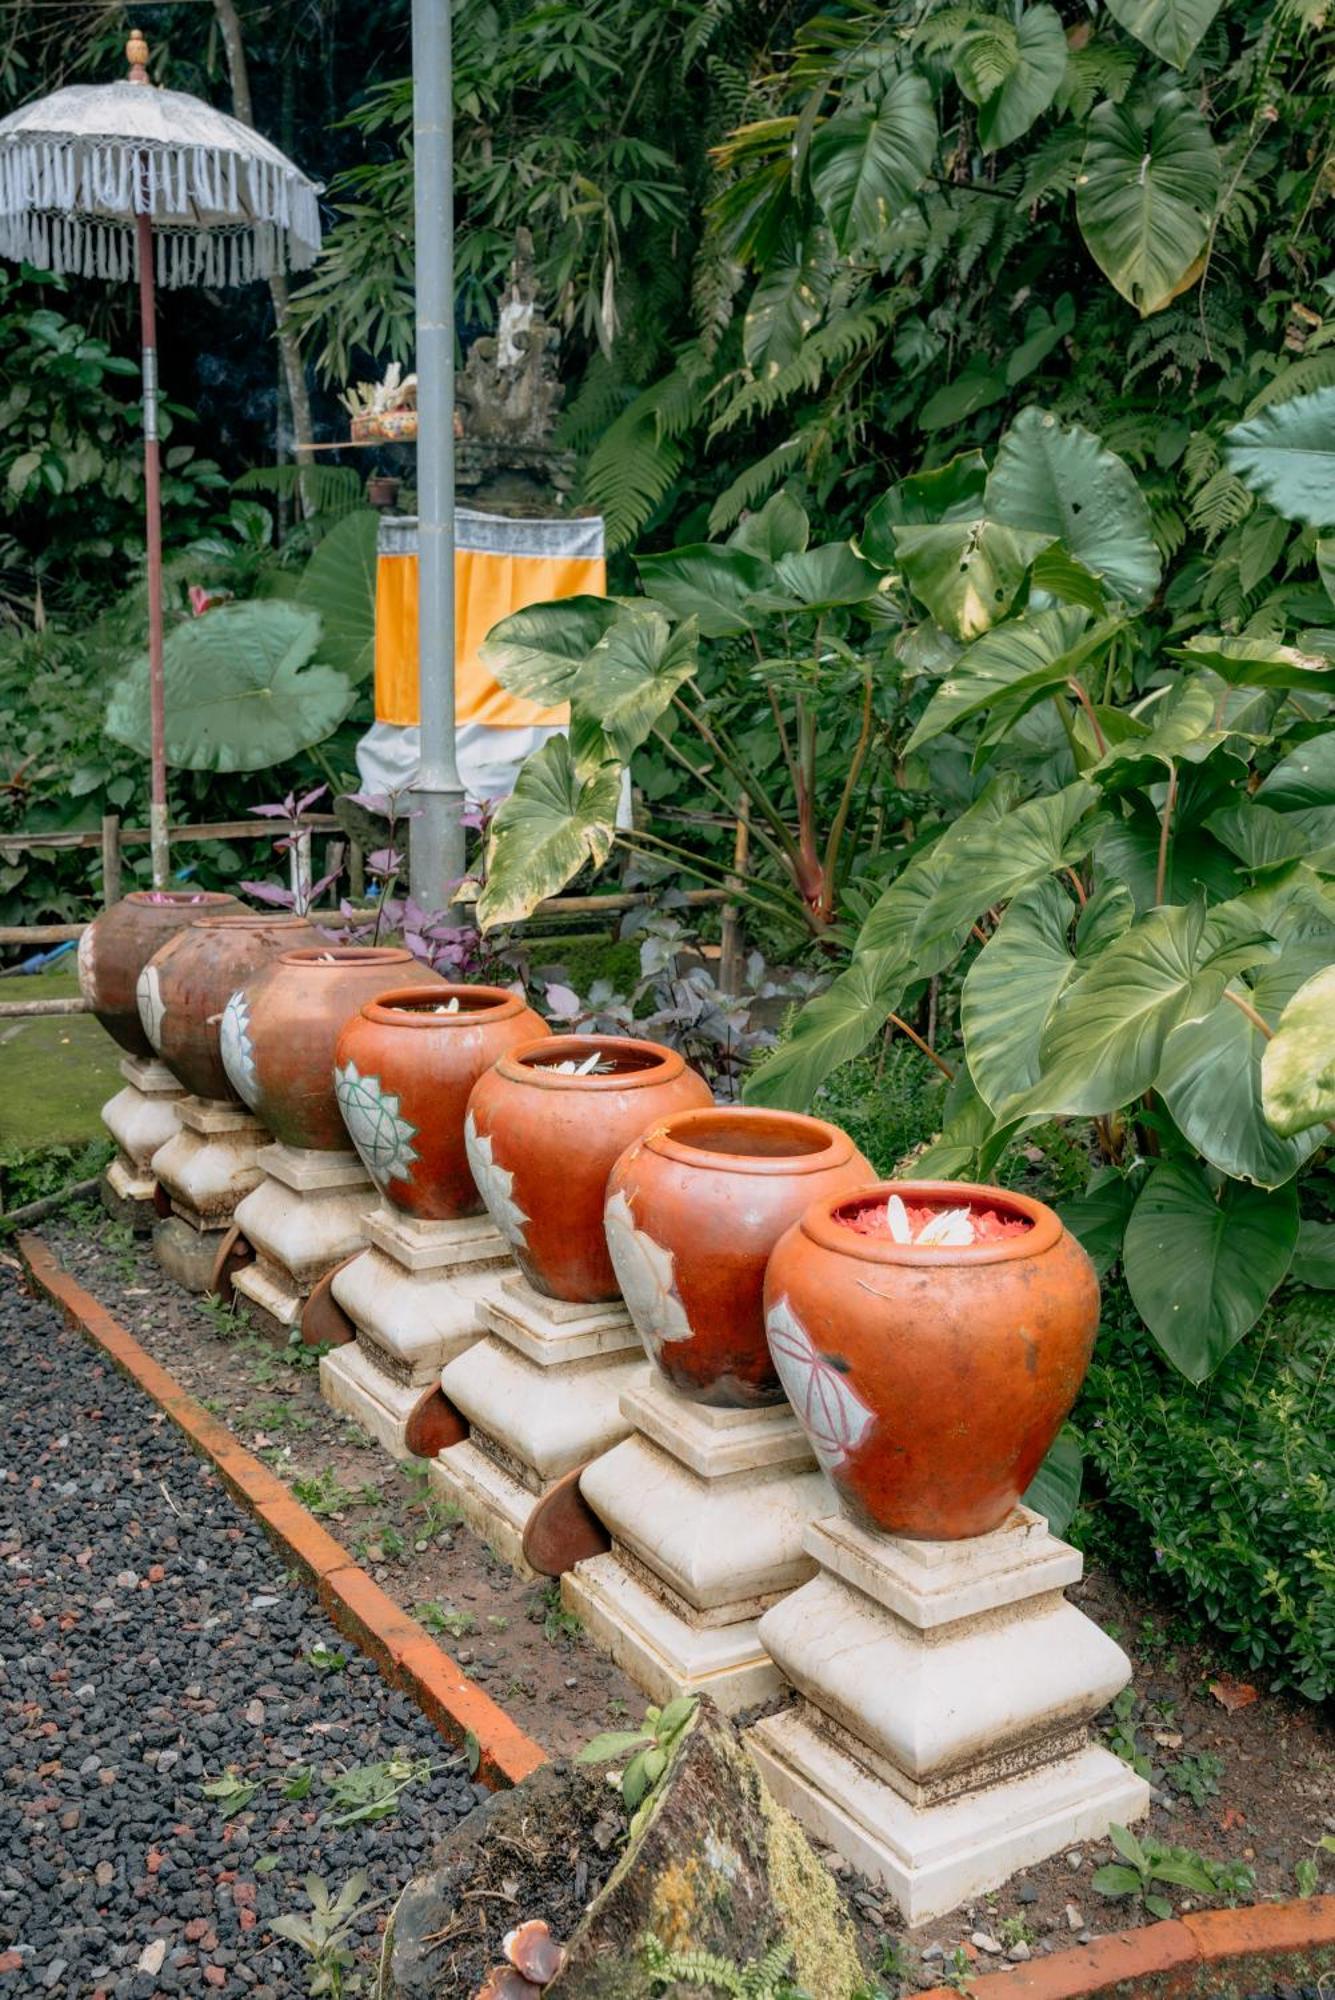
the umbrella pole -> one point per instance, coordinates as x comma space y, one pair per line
157, 811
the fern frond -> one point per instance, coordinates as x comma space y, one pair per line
755, 483
331, 490
1099, 70
830, 348
632, 468
1310, 371
1219, 504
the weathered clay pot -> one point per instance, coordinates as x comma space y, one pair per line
185, 986
116, 947
404, 1069
695, 1205
931, 1381
541, 1145
281, 1027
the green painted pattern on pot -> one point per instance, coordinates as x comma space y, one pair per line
376, 1125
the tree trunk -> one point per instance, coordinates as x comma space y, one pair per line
229, 25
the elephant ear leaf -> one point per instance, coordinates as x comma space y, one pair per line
241, 692
557, 818
1058, 479
1171, 28
538, 651
626, 683
339, 582
1286, 455
1054, 1490
1298, 1067
865, 165
1145, 198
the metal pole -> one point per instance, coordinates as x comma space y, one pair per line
136, 53
437, 839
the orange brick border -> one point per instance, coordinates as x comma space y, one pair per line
1187, 1956
404, 1651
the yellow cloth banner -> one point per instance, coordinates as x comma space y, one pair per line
488, 585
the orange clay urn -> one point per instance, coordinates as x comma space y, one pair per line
186, 985
695, 1206
545, 1128
404, 1068
281, 1027
116, 947
932, 1337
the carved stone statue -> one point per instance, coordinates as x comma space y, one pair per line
507, 398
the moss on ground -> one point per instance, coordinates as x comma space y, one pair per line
56, 1072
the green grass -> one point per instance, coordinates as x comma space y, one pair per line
56, 1073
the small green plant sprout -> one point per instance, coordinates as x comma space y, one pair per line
1122, 1739
894, 1961
649, 1750
1016, 1930
958, 1970
439, 1617
765, 1978
228, 1322
299, 1783
1306, 1876
326, 1934
372, 1791
325, 1660
1145, 1863
232, 1793
557, 1622
323, 1493
1196, 1778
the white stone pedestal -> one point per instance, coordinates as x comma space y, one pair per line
707, 1510
140, 1118
307, 1214
413, 1296
210, 1163
940, 1744
542, 1394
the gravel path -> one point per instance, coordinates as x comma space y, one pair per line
150, 1640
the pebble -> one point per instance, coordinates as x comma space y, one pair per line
1075, 1917
985, 1942
1019, 1952
1074, 1857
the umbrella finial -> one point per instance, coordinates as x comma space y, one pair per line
136, 54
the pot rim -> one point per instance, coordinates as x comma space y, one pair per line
819, 1225
671, 1138
254, 919
405, 1006
178, 899
517, 1064
329, 957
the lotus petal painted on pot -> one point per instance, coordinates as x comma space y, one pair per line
647, 1278
85, 965
376, 1125
238, 1051
148, 994
832, 1415
495, 1184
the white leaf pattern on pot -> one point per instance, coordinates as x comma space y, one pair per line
238, 1051
830, 1411
376, 1125
646, 1276
86, 965
148, 993
495, 1184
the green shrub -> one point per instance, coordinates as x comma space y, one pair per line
36, 1171
888, 1103
1228, 1495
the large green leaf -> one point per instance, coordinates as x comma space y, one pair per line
1201, 1269
779, 528
788, 302
1146, 195
1098, 1217
1287, 456
1010, 990
1306, 777
1171, 28
1006, 113
1105, 1037
1210, 1079
555, 820
538, 651
1261, 663
1314, 1259
1298, 1067
1054, 1490
240, 692
626, 683
818, 580
831, 1029
707, 582
866, 165
339, 582
1059, 480
990, 860
967, 572
1010, 668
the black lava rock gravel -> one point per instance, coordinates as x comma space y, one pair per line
149, 1640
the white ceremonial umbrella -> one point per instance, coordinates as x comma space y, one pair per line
119, 180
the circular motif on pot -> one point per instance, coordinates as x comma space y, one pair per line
148, 994
376, 1125
238, 1051
495, 1184
646, 1276
85, 964
829, 1410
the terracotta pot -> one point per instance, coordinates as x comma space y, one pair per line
280, 1030
931, 1381
694, 1208
404, 1069
185, 986
116, 947
541, 1145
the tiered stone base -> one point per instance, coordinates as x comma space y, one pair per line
208, 1166
140, 1118
940, 1743
413, 1297
306, 1215
542, 1395
707, 1510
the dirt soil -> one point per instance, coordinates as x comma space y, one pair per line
1252, 1784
